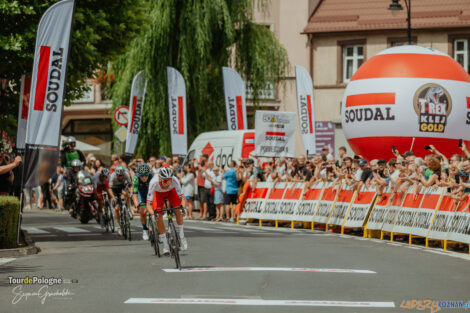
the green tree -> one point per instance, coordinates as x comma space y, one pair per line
101, 31
197, 37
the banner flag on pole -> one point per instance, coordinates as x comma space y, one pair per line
235, 95
47, 93
177, 107
136, 107
305, 108
23, 113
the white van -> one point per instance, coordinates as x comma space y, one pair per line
223, 146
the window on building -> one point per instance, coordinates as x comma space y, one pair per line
461, 53
400, 41
353, 57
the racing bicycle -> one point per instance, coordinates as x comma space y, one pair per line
107, 214
173, 238
153, 234
124, 220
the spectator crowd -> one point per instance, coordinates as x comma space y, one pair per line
213, 191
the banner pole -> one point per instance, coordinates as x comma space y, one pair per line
412, 143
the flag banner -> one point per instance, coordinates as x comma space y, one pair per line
177, 107
136, 108
235, 95
47, 93
23, 113
274, 134
305, 108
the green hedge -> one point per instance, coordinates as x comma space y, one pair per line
9, 210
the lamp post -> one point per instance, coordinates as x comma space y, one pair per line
395, 6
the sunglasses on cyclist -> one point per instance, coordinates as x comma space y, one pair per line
166, 180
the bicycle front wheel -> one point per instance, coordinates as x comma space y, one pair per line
156, 245
174, 244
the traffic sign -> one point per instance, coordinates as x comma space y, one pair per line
121, 133
121, 115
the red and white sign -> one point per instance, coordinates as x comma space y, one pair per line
121, 115
255, 201
378, 213
235, 103
326, 205
47, 93
309, 204
274, 134
459, 227
357, 214
305, 108
342, 205
136, 109
441, 221
427, 210
406, 94
177, 107
23, 112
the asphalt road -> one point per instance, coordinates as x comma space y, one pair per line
228, 268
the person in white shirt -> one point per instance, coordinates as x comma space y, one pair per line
216, 181
208, 186
187, 180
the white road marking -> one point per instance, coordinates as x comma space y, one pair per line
261, 302
6, 260
271, 269
199, 228
34, 230
71, 229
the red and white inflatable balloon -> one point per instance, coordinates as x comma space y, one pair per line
410, 97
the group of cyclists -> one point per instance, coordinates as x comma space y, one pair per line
147, 191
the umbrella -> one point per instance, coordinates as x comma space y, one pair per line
80, 145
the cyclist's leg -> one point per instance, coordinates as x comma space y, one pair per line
158, 203
175, 202
117, 194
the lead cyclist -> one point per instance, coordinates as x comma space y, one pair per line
140, 188
165, 185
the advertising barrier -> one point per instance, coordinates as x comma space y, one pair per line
430, 213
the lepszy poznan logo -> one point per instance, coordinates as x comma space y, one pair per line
432, 104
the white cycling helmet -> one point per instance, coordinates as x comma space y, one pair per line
165, 173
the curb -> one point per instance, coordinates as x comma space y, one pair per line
30, 248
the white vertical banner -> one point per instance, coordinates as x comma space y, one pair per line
136, 107
235, 99
23, 113
274, 134
177, 107
305, 108
47, 93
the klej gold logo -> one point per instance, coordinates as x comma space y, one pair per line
432, 104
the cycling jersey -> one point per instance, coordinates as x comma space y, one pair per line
117, 185
157, 194
141, 188
99, 185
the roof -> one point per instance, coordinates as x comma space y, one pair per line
364, 15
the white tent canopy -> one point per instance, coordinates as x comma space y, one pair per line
81, 145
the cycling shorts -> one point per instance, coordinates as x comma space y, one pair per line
159, 200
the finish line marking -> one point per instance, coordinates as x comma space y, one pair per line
271, 269
260, 302
6, 260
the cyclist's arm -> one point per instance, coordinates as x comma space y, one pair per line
150, 194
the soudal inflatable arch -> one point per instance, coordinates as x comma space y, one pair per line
410, 97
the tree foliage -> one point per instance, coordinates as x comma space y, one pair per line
101, 31
197, 37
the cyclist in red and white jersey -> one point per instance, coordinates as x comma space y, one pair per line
166, 186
